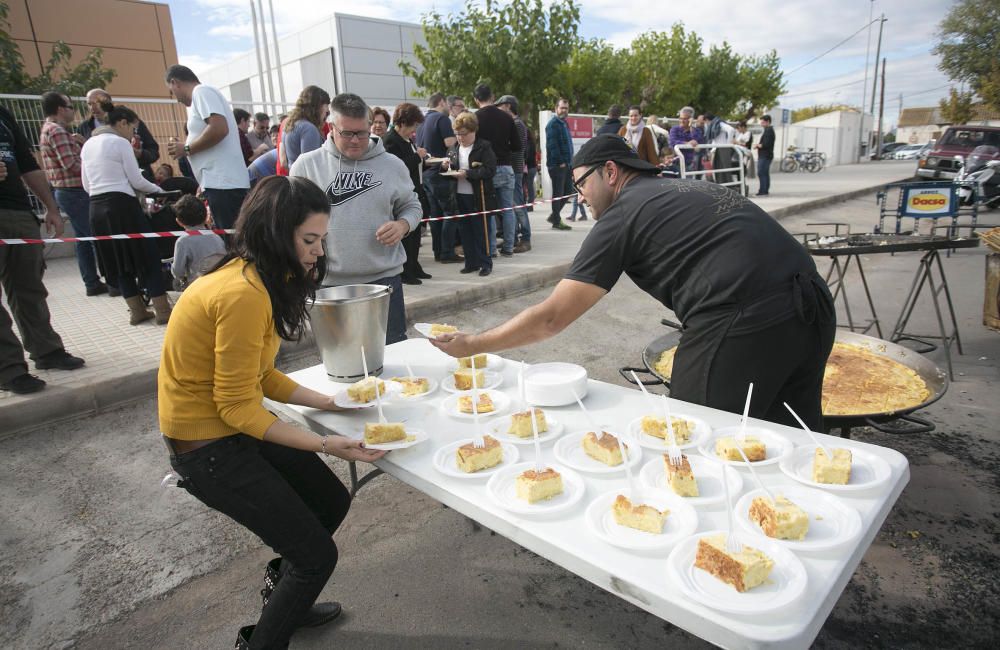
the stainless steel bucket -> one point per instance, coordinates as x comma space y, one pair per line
346, 318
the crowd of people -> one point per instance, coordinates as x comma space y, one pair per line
337, 192
467, 177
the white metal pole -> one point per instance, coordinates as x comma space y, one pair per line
277, 54
267, 55
260, 63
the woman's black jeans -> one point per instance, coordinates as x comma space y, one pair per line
291, 500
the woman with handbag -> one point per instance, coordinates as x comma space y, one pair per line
474, 165
216, 368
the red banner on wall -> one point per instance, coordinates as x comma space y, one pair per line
580, 127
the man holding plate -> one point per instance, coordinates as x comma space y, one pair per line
753, 307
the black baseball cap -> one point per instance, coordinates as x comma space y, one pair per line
605, 147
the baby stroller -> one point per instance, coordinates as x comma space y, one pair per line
162, 219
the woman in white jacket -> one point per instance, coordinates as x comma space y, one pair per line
111, 176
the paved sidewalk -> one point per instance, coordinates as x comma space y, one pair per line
122, 359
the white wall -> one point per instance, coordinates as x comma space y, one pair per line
363, 60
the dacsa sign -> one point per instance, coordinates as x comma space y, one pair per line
928, 202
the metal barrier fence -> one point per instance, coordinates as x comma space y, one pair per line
742, 153
165, 118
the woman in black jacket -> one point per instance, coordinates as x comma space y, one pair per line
474, 165
397, 141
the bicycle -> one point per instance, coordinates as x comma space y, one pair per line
815, 161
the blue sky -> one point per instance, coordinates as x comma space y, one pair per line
209, 32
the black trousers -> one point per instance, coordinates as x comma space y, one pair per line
287, 497
785, 362
474, 234
116, 213
411, 244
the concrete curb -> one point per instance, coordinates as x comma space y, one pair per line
96, 397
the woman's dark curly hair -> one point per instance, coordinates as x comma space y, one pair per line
265, 237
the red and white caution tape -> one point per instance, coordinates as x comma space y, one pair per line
219, 231
515, 207
131, 235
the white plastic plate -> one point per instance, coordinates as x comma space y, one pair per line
867, 470
831, 521
707, 475
418, 435
432, 386
498, 429
776, 446
446, 462
501, 488
786, 583
701, 433
569, 451
493, 362
392, 391
500, 404
681, 521
490, 380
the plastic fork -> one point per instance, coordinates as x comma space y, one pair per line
478, 441
753, 472
732, 544
378, 398
633, 486
531, 414
645, 392
742, 435
673, 451
409, 371
815, 438
652, 406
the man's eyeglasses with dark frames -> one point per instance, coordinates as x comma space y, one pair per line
353, 135
578, 182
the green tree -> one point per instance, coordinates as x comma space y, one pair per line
589, 78
57, 74
800, 114
663, 70
989, 87
516, 48
957, 108
969, 46
722, 90
761, 82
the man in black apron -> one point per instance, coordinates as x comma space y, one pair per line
753, 307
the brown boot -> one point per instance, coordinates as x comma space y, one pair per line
161, 305
137, 310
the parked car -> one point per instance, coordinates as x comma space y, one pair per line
889, 148
957, 141
911, 151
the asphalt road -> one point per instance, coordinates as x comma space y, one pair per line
96, 555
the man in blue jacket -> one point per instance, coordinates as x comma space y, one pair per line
558, 154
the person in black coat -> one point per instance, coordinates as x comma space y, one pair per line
147, 150
474, 164
397, 141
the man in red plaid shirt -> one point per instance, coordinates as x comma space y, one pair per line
60, 149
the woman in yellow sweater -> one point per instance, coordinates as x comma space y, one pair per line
216, 368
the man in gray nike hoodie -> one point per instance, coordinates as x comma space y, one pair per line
372, 206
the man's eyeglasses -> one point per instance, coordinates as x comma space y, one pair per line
353, 135
578, 182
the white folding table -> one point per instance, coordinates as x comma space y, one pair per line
565, 539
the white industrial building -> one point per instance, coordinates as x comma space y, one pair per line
341, 53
